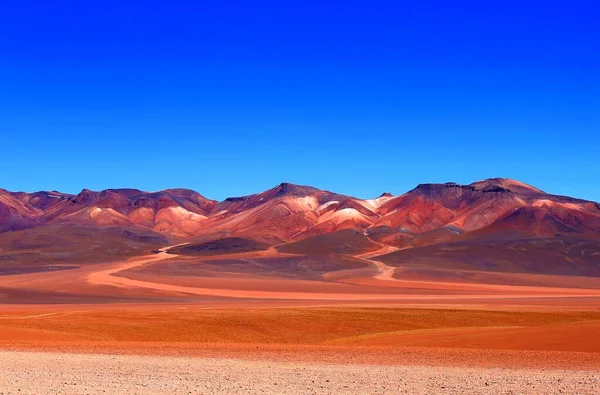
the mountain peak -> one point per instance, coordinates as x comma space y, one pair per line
488, 185
289, 189
84, 197
289, 209
507, 184
433, 187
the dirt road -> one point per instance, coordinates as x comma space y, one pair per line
110, 277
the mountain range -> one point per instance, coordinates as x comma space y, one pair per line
458, 225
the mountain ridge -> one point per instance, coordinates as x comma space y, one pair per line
290, 211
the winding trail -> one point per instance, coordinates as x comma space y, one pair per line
385, 272
110, 277
107, 277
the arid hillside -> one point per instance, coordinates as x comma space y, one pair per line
493, 225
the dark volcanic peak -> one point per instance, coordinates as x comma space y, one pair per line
436, 188
497, 189
106, 197
288, 189
495, 185
237, 199
183, 193
385, 194
449, 195
84, 197
283, 189
124, 191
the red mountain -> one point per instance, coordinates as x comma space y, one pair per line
432, 213
427, 213
175, 212
436, 215
495, 224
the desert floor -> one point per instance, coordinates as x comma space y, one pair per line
99, 374
142, 326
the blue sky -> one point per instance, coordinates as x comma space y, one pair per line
233, 98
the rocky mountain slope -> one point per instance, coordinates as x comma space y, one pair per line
501, 211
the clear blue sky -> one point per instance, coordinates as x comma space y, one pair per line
233, 98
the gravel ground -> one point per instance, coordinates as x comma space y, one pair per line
52, 373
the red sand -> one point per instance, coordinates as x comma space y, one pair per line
354, 318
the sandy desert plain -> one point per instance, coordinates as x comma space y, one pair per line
237, 318
125, 327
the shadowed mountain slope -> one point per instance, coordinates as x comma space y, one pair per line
346, 241
73, 244
551, 255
